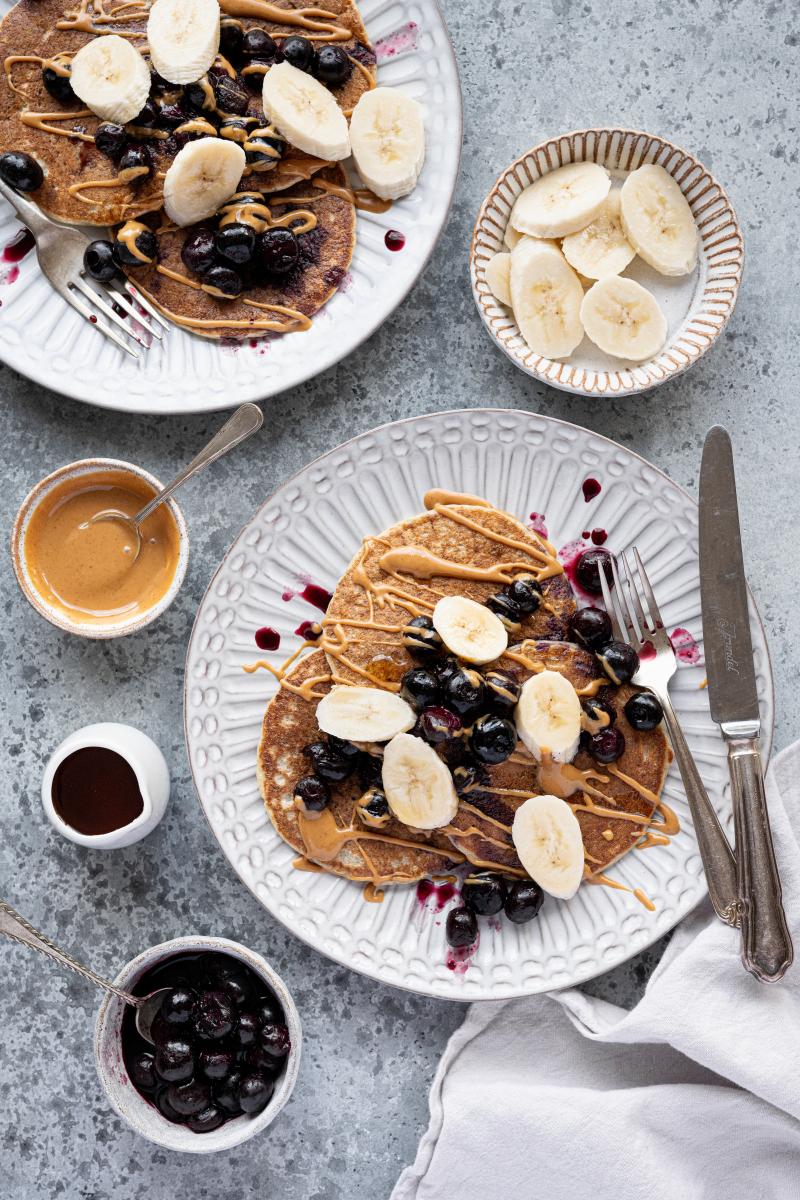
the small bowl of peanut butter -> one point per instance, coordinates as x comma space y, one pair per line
85, 576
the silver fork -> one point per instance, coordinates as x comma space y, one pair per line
636, 619
59, 249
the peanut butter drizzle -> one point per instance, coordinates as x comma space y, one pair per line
92, 17
621, 887
59, 64
301, 863
39, 121
324, 840
128, 234
125, 177
595, 724
319, 24
373, 894
296, 321
366, 73
259, 216
196, 125
591, 689
546, 555
362, 198
422, 564
442, 496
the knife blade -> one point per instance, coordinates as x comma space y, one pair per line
733, 695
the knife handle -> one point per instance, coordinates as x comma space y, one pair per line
715, 850
766, 943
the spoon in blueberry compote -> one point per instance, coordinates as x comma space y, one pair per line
13, 926
247, 419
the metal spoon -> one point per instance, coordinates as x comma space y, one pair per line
17, 928
244, 422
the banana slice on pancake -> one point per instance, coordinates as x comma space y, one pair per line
305, 113
111, 78
548, 717
469, 630
183, 38
364, 714
417, 783
201, 177
387, 135
548, 842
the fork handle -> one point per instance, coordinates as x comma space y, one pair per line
26, 210
715, 850
766, 943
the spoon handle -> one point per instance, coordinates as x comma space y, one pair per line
246, 420
17, 928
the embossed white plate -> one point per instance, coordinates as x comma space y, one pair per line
309, 530
43, 338
697, 307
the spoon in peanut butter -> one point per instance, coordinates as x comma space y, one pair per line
19, 930
247, 419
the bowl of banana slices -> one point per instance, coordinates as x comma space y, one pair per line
606, 261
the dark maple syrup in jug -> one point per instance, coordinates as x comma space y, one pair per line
96, 791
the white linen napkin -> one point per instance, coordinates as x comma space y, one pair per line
695, 1093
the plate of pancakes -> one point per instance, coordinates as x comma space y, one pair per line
358, 255
329, 589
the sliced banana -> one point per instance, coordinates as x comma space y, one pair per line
498, 277
561, 202
548, 717
623, 318
658, 221
305, 112
183, 36
387, 135
469, 630
417, 783
511, 237
601, 248
548, 842
364, 714
111, 78
546, 297
201, 177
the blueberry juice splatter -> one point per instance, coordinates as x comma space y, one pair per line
591, 487
686, 648
267, 638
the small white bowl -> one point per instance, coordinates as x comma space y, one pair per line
697, 306
56, 616
148, 765
144, 1117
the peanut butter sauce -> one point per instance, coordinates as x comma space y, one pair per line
88, 570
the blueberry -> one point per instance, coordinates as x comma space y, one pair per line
493, 739
247, 1029
197, 252
190, 1098
590, 627
236, 243
146, 243
588, 568
502, 692
311, 794
461, 927
213, 1016
110, 140
201, 98
420, 688
224, 280
59, 86
342, 747
174, 1060
20, 171
231, 95
254, 1092
148, 117
263, 151
607, 746
173, 115
333, 66
231, 39
369, 770
177, 1006
165, 1108
438, 724
643, 711
99, 261
469, 777
619, 661
420, 639
484, 892
373, 809
599, 713
277, 251
206, 1121
232, 978
269, 1011
526, 593
329, 765
300, 52
445, 669
226, 1093
465, 692
523, 900
274, 1040
506, 608
143, 1071
258, 44
215, 1064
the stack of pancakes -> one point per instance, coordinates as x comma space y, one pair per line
370, 595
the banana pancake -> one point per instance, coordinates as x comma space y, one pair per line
596, 793
460, 546
336, 839
284, 305
83, 184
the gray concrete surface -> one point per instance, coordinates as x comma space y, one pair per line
720, 79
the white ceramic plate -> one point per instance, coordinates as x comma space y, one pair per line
309, 530
697, 306
43, 338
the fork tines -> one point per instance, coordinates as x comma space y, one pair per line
103, 297
634, 613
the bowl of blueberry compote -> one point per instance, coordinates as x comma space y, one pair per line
227, 1045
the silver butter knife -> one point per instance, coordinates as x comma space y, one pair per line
766, 944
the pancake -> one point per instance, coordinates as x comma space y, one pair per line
66, 149
485, 814
373, 856
326, 251
474, 536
